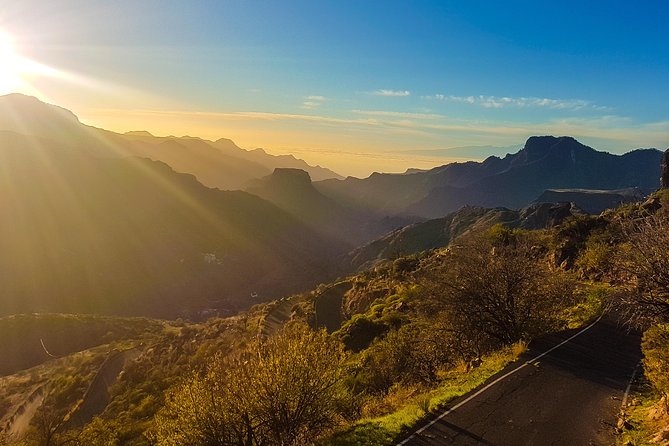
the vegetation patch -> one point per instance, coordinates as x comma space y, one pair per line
412, 410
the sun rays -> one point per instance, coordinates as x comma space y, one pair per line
17, 72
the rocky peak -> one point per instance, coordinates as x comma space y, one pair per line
285, 182
538, 147
290, 176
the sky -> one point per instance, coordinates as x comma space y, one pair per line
358, 86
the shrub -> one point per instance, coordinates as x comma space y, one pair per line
655, 348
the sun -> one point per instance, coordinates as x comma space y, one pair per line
11, 65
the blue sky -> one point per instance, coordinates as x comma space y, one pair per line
358, 85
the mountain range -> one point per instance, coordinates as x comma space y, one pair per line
544, 162
132, 224
293, 191
220, 164
132, 236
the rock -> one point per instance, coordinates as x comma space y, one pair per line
664, 176
623, 425
652, 204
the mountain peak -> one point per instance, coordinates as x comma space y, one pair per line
292, 175
27, 115
139, 133
537, 147
29, 106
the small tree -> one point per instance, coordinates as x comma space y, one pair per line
644, 262
500, 287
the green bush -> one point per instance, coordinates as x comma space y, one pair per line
655, 348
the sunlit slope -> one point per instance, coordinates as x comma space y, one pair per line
440, 232
31, 339
131, 236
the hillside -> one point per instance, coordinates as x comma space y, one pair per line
131, 236
31, 339
440, 232
389, 318
514, 181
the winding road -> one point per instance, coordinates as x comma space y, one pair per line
566, 390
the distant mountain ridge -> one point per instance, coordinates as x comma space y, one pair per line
221, 164
293, 191
135, 224
545, 162
591, 200
440, 232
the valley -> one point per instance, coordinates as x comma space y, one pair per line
136, 283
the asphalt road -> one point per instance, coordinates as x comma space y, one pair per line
569, 397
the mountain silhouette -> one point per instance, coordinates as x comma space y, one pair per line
545, 162
220, 164
293, 191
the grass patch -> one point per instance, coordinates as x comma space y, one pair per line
646, 417
591, 298
389, 429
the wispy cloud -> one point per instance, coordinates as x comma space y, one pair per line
391, 93
395, 114
519, 102
311, 105
609, 132
313, 102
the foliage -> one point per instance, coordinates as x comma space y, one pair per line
500, 288
597, 259
414, 354
591, 300
655, 348
410, 410
571, 237
285, 391
644, 261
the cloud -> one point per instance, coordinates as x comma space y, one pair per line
519, 102
395, 114
313, 102
609, 132
391, 93
311, 105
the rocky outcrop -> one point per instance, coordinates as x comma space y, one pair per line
592, 201
664, 173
